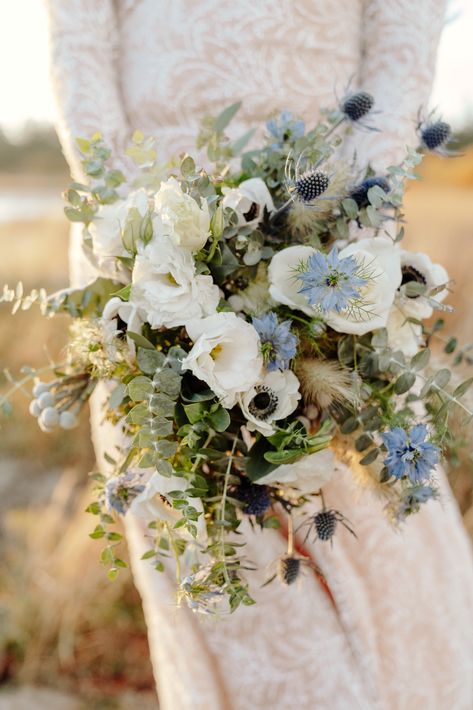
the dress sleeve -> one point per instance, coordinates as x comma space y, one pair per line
84, 43
399, 45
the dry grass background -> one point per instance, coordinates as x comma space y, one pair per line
62, 624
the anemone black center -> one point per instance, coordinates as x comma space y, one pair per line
410, 275
252, 213
264, 403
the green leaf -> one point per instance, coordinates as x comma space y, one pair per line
451, 345
224, 118
404, 382
285, 456
370, 457
421, 359
194, 412
350, 207
363, 442
463, 388
149, 360
168, 381
220, 419
140, 340
442, 377
241, 142
140, 388
148, 555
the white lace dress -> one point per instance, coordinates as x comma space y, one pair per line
393, 631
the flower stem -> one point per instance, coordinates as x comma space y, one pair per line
222, 510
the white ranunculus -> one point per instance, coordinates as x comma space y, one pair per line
273, 398
381, 260
284, 286
308, 474
248, 200
128, 312
226, 355
188, 222
150, 505
166, 288
403, 335
109, 222
417, 267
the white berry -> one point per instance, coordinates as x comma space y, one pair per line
67, 420
49, 417
39, 388
35, 408
45, 400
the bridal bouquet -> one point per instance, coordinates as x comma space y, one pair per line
247, 324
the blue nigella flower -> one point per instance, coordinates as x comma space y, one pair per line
412, 499
121, 490
331, 283
409, 454
284, 127
278, 344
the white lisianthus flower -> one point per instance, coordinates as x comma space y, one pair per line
273, 398
226, 355
116, 310
403, 335
284, 286
152, 503
248, 200
109, 222
187, 222
380, 259
308, 474
166, 288
418, 268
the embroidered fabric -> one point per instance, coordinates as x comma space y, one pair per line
400, 636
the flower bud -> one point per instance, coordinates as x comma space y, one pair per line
68, 420
35, 408
39, 388
45, 399
49, 418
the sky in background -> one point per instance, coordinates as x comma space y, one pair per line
26, 92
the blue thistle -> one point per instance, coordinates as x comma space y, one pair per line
360, 192
409, 454
278, 344
256, 498
357, 105
284, 128
412, 499
121, 490
435, 135
331, 283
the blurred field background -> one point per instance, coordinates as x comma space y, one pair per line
70, 639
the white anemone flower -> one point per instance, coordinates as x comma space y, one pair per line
226, 355
248, 201
273, 398
284, 286
380, 259
402, 334
308, 474
418, 268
